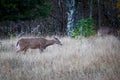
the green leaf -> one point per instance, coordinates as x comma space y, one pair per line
84, 27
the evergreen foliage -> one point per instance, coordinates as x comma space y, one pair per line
23, 9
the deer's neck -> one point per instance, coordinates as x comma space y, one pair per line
49, 42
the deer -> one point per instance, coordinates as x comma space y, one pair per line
103, 31
35, 43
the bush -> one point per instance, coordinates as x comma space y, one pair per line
84, 27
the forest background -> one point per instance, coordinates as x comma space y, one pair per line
56, 17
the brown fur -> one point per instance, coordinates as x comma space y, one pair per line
102, 31
34, 43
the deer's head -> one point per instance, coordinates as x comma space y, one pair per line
57, 41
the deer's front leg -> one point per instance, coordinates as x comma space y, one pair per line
41, 50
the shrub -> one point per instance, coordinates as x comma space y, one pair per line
84, 27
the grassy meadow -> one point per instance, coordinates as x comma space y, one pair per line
94, 58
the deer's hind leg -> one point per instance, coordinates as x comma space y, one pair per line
25, 49
22, 50
18, 51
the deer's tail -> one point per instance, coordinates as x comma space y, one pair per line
17, 45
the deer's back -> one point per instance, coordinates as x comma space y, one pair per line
105, 31
32, 42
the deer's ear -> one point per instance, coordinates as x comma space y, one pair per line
55, 38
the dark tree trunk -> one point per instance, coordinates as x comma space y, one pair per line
99, 13
91, 8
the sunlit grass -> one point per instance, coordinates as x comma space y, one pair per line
96, 58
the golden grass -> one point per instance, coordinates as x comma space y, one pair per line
96, 58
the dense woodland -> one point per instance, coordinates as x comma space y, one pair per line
57, 17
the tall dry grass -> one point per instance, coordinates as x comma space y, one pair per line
96, 58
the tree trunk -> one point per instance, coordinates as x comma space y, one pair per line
99, 14
71, 5
91, 8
